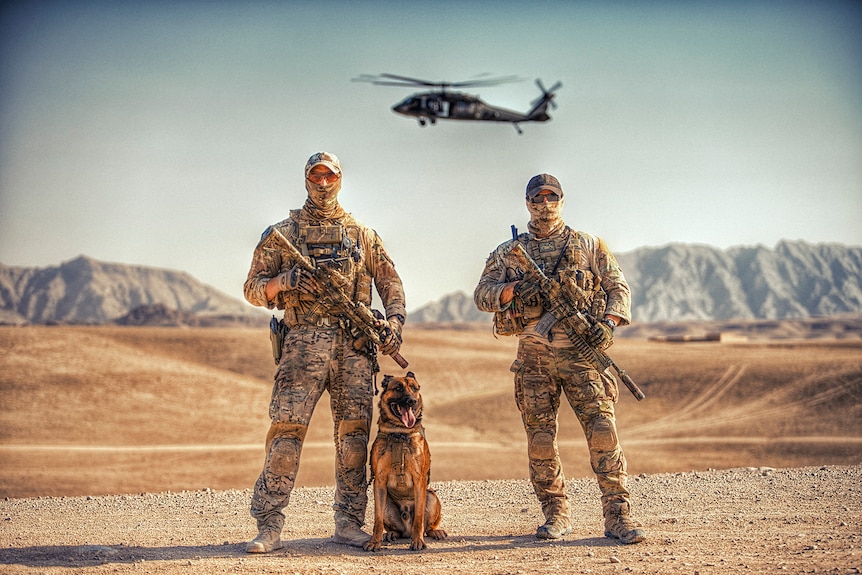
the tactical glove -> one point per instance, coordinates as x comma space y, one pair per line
528, 292
298, 279
601, 336
391, 340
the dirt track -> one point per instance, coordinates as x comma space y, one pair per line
802, 520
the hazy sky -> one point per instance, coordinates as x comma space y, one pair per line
171, 133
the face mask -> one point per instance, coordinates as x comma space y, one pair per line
324, 196
545, 218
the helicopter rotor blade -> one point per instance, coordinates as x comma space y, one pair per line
386, 79
413, 81
391, 80
487, 81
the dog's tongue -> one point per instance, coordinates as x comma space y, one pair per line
407, 417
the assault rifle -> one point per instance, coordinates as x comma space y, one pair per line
334, 299
561, 301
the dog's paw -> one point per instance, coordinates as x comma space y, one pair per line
391, 536
437, 534
417, 544
372, 545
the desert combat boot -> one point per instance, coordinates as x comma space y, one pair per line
554, 528
557, 522
349, 533
268, 535
619, 524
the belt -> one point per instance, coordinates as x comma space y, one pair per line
318, 320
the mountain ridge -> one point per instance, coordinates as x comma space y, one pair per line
670, 283
680, 282
88, 291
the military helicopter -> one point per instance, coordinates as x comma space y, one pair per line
442, 104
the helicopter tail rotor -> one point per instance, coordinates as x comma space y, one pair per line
547, 95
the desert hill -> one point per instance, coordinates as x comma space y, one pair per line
91, 410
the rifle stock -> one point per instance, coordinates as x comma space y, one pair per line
332, 282
563, 308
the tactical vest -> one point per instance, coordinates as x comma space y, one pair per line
560, 258
334, 246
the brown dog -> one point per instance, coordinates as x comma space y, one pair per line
401, 469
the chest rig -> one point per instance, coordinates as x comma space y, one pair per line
329, 246
560, 258
334, 246
563, 259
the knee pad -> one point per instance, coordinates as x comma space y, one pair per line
284, 456
353, 442
354, 451
541, 445
284, 444
604, 435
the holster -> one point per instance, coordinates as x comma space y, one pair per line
277, 332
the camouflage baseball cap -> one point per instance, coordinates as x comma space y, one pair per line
543, 182
323, 159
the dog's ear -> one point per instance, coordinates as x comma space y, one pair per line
386, 380
410, 375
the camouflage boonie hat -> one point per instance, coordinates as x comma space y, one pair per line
543, 182
323, 159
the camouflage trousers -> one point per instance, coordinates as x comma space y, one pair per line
542, 373
315, 359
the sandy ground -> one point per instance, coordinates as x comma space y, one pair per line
744, 520
130, 450
105, 411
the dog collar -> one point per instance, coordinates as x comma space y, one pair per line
396, 430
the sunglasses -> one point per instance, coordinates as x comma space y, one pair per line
320, 177
541, 198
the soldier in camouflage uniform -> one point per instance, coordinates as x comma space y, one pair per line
549, 365
319, 353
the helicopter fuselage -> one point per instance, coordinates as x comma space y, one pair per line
430, 106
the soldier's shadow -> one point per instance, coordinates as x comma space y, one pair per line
453, 544
94, 555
